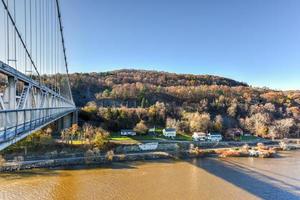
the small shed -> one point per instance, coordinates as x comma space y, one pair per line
234, 133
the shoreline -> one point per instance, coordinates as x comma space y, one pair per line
96, 159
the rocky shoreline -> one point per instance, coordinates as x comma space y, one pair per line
87, 160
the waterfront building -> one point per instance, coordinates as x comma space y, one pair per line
199, 136
169, 132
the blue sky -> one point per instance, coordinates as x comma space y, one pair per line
255, 41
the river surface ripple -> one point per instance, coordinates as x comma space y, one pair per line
207, 178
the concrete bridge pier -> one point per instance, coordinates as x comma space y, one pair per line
66, 121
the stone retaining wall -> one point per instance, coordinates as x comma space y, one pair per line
79, 161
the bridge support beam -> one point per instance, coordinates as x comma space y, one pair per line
10, 93
75, 117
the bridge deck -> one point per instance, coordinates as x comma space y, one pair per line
13, 132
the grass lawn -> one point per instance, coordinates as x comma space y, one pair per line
78, 142
183, 136
118, 137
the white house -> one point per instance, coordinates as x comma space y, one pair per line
169, 132
199, 136
128, 132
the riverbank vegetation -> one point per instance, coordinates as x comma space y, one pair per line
48, 143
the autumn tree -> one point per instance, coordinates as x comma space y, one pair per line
171, 123
141, 127
232, 109
258, 123
218, 123
100, 138
74, 129
281, 128
88, 131
198, 122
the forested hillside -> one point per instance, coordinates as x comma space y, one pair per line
135, 98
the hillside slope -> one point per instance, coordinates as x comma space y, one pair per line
190, 102
85, 86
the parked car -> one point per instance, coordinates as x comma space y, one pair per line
214, 137
199, 136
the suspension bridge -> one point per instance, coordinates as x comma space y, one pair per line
34, 82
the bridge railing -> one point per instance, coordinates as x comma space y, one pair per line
15, 122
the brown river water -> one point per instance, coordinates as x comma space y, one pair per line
207, 178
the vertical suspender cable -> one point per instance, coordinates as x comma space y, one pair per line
43, 41
30, 32
7, 32
51, 44
59, 53
4, 33
40, 30
46, 41
55, 47
25, 18
15, 37
36, 30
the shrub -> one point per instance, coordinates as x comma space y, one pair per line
99, 140
110, 155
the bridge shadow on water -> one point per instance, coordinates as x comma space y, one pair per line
254, 182
257, 171
29, 173
62, 171
125, 165
59, 171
